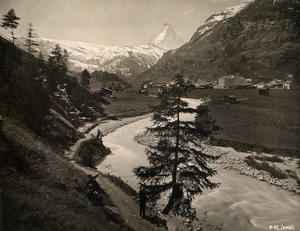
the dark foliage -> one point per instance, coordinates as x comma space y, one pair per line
31, 42
85, 79
109, 80
177, 164
274, 172
22, 93
57, 68
10, 20
90, 152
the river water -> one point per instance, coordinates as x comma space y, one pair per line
240, 203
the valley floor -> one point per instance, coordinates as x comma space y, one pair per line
230, 160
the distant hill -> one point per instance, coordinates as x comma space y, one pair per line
109, 80
258, 40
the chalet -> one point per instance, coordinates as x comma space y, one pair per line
263, 91
231, 99
260, 85
288, 85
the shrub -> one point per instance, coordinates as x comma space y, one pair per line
269, 158
274, 172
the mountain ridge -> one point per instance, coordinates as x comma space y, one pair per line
125, 61
260, 41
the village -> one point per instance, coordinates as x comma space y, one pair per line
233, 81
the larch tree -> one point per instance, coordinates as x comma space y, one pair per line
85, 78
177, 163
65, 63
58, 66
31, 40
10, 20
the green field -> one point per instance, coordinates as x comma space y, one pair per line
257, 122
271, 122
129, 104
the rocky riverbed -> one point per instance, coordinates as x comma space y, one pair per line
234, 160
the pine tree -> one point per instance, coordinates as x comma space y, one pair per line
85, 78
58, 67
10, 20
177, 164
31, 42
65, 63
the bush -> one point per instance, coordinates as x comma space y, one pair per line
90, 152
269, 158
274, 172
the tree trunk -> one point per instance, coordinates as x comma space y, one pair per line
174, 195
13, 36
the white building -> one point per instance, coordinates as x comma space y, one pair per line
231, 81
288, 85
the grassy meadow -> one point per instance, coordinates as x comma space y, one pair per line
271, 122
129, 104
259, 123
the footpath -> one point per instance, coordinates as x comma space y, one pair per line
125, 205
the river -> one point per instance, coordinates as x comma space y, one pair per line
240, 203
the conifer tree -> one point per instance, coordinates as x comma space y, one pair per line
177, 164
65, 63
10, 20
58, 66
31, 42
85, 78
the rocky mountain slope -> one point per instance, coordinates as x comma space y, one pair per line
125, 61
258, 40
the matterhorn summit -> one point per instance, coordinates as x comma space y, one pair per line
168, 39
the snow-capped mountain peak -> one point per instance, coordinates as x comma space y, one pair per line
126, 61
217, 18
168, 39
227, 13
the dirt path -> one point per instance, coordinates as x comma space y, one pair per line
125, 205
105, 126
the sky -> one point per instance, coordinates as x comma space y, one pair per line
112, 22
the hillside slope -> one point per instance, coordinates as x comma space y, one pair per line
259, 40
37, 184
39, 190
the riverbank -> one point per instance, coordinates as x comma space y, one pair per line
287, 168
105, 125
230, 158
241, 202
124, 198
